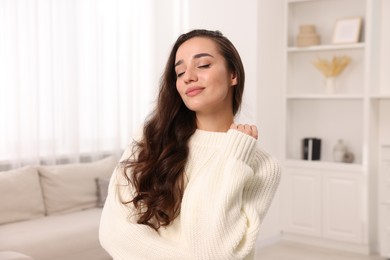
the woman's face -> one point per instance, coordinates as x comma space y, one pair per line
203, 80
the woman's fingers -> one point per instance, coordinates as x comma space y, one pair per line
247, 129
233, 126
255, 132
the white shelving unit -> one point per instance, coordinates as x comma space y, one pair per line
327, 203
329, 47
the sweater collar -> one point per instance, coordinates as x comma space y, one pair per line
207, 138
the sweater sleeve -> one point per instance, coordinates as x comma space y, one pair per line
225, 203
122, 237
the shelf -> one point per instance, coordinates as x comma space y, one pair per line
298, 1
330, 97
381, 96
329, 47
348, 167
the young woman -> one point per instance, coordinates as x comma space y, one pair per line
195, 186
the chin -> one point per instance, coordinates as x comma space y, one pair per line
194, 107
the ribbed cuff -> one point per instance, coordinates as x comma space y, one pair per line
240, 146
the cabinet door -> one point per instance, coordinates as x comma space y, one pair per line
384, 231
384, 198
302, 201
343, 206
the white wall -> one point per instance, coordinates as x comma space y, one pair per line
168, 20
269, 99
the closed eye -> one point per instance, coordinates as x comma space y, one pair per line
179, 74
204, 66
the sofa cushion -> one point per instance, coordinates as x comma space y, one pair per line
20, 195
11, 255
73, 236
102, 190
72, 187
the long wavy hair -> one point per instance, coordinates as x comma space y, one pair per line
156, 167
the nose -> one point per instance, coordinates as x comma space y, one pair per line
190, 75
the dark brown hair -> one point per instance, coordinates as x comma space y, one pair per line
157, 164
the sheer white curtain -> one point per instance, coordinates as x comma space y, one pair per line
75, 77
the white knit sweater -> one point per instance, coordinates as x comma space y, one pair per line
230, 187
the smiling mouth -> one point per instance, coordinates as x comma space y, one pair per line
191, 92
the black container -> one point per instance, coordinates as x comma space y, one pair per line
312, 149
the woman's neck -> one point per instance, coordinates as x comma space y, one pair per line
215, 123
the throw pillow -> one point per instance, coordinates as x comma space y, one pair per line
20, 195
102, 190
72, 187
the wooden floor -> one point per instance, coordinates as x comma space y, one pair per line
292, 251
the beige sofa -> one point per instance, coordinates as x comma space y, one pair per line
53, 212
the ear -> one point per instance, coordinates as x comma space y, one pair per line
233, 78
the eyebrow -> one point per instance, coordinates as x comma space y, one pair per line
196, 56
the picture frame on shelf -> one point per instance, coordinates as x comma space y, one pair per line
347, 30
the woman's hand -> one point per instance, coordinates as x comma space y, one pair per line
247, 129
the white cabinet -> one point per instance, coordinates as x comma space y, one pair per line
328, 201
343, 204
302, 201
384, 232
384, 201
323, 204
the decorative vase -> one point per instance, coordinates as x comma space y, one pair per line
307, 36
348, 157
329, 85
339, 151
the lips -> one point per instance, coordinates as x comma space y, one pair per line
193, 91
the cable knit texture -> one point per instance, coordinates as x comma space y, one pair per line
230, 185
